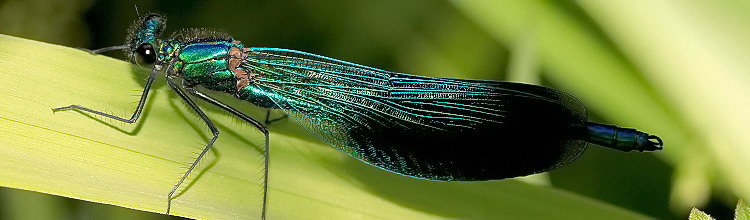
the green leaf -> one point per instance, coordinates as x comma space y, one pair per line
85, 157
742, 212
696, 214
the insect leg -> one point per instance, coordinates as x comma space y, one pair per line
253, 122
102, 50
138, 109
268, 116
211, 127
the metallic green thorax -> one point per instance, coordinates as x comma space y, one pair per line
215, 64
205, 63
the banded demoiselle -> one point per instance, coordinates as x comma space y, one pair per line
423, 127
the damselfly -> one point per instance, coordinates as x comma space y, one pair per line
423, 127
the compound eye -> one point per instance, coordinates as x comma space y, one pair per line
145, 54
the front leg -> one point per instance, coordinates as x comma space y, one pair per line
209, 123
138, 110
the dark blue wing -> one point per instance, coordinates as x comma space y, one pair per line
424, 127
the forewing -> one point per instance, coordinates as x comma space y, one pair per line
415, 125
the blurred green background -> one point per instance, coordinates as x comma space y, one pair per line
678, 69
